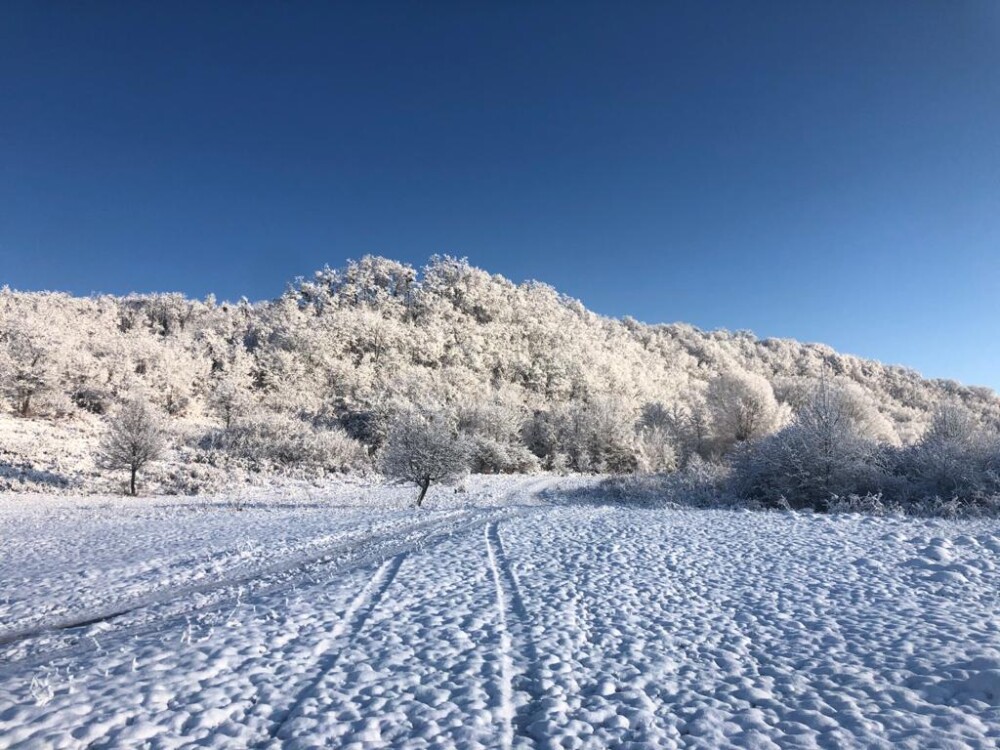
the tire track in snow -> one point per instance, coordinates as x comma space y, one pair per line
252, 574
346, 628
415, 536
506, 707
256, 573
515, 628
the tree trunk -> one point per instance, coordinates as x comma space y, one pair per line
423, 490
131, 485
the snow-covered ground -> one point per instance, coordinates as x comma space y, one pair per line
499, 617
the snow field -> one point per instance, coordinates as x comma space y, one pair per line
718, 629
519, 627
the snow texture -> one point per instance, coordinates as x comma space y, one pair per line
492, 619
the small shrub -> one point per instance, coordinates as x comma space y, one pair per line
266, 438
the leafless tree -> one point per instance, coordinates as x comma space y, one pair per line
422, 451
134, 439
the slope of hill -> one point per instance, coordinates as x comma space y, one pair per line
310, 381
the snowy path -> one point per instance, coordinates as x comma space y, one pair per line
544, 627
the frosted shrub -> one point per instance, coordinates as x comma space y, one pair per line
822, 454
493, 432
93, 399
700, 484
958, 457
53, 404
270, 439
489, 456
369, 425
873, 505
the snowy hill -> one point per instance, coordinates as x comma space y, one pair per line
307, 383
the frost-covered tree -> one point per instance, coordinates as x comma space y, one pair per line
958, 457
853, 400
520, 367
587, 436
656, 450
742, 407
26, 369
270, 440
229, 395
824, 452
424, 450
134, 439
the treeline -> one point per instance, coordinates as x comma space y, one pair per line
527, 378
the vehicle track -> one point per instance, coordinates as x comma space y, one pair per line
506, 708
514, 621
341, 635
164, 594
331, 561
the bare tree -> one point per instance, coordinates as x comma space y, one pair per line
423, 451
135, 438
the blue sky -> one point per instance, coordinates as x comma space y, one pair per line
823, 171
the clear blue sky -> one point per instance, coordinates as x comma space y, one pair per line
828, 171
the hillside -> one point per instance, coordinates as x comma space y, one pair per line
308, 382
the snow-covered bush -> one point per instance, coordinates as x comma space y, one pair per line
700, 484
871, 505
822, 454
493, 431
368, 424
957, 459
268, 439
93, 399
489, 456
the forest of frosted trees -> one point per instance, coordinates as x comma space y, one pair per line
521, 377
